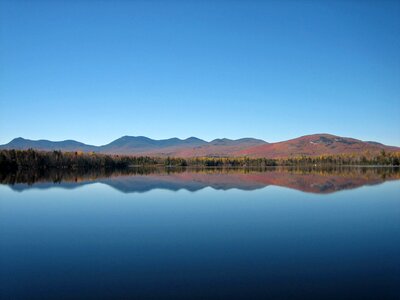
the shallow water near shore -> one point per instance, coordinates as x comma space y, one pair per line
281, 233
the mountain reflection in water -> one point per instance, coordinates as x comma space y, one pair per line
312, 180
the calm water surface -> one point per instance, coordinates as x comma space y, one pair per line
210, 234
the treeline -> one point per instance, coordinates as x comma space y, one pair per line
32, 159
381, 159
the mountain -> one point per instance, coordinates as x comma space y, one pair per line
142, 144
313, 145
309, 145
45, 145
215, 148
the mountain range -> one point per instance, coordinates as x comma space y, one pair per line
309, 145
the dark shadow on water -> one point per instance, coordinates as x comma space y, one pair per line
307, 179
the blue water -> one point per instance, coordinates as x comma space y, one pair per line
96, 242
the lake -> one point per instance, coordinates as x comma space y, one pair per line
280, 233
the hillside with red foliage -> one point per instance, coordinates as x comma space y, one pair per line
315, 145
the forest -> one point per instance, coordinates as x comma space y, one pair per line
42, 160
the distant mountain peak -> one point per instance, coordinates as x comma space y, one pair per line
193, 138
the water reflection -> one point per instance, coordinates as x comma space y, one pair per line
97, 242
312, 180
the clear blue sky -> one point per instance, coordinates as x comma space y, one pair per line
96, 70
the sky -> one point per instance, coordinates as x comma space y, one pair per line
94, 71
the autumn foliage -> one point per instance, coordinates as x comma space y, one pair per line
32, 159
